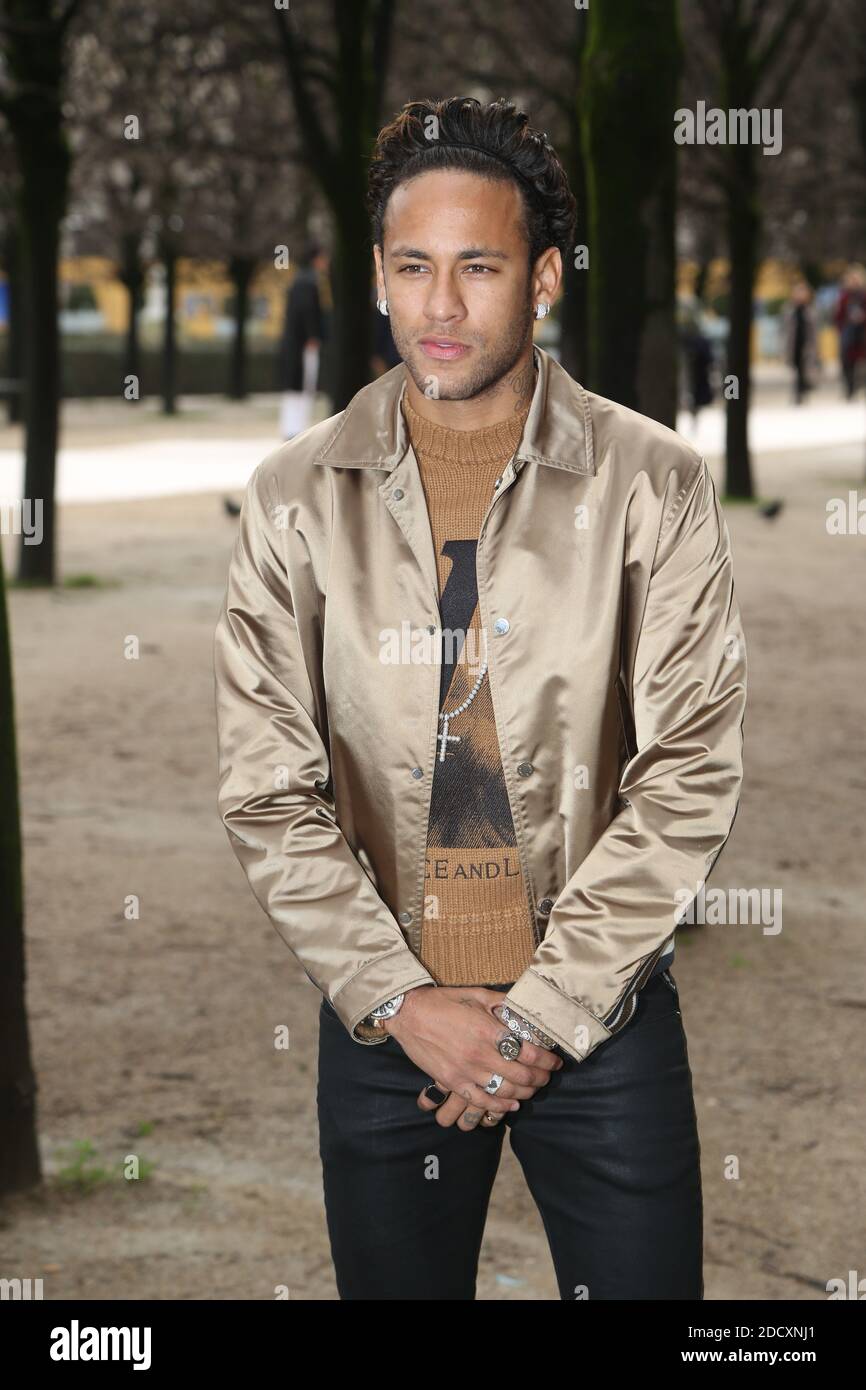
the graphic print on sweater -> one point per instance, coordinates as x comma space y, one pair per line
470, 801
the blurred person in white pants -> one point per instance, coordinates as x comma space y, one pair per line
300, 348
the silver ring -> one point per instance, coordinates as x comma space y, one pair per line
493, 1084
509, 1047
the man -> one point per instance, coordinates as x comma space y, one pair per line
304, 328
801, 339
851, 323
480, 691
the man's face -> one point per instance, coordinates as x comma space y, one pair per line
456, 272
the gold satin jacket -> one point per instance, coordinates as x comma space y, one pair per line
617, 670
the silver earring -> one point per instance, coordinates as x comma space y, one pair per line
542, 310
382, 306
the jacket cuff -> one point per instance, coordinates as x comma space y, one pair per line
574, 1028
394, 973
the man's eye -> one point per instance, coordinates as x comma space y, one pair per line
488, 269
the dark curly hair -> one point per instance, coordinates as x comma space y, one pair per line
501, 144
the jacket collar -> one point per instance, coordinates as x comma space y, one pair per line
372, 431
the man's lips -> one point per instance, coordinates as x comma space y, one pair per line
443, 349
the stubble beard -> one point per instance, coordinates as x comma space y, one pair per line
488, 373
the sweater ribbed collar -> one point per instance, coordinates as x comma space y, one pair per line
440, 444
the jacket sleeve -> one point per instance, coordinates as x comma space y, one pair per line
274, 768
680, 789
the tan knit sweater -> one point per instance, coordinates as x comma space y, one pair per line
477, 928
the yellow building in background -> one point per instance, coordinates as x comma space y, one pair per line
203, 296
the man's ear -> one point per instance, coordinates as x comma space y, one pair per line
381, 292
547, 275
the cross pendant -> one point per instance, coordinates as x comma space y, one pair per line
444, 739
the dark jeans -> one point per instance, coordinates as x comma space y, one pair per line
609, 1148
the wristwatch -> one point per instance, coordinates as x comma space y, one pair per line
373, 1023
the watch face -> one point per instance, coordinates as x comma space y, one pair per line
388, 1009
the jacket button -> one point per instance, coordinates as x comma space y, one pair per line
545, 906
431, 629
525, 769
405, 918
417, 772
397, 494
500, 626
496, 484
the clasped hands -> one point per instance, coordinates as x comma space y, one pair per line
452, 1035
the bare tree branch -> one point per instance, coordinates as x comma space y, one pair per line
383, 34
766, 54
812, 21
73, 8
318, 146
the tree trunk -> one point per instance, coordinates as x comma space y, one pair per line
242, 269
350, 283
169, 341
574, 312
132, 276
702, 277
43, 162
19, 1150
339, 164
630, 80
15, 333
743, 235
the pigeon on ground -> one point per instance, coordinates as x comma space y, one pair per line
771, 509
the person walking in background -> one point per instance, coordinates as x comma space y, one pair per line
697, 361
304, 331
800, 334
851, 323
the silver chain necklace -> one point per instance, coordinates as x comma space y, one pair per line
445, 717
